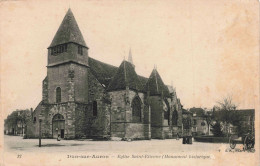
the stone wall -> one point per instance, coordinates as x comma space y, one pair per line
132, 95
67, 110
118, 105
58, 77
157, 132
32, 128
161, 128
80, 120
118, 129
137, 131
79, 75
156, 111
45, 90
118, 113
157, 116
97, 126
46, 112
73, 81
121, 116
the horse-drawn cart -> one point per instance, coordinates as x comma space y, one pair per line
247, 140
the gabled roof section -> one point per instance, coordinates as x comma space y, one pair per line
102, 71
125, 76
68, 32
155, 85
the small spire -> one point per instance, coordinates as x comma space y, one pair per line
157, 88
155, 67
130, 58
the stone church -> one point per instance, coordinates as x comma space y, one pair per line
85, 98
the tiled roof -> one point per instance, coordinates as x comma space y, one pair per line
155, 85
125, 76
116, 78
143, 80
102, 71
68, 32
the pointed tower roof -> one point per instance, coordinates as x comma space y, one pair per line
68, 32
125, 76
155, 84
130, 58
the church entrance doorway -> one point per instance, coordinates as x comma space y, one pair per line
58, 126
62, 133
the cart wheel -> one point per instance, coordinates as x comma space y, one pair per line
232, 142
249, 142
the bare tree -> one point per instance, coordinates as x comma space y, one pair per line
224, 112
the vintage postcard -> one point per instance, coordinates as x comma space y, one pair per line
129, 82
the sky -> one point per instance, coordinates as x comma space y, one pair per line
206, 49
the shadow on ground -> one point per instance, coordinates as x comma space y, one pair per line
53, 145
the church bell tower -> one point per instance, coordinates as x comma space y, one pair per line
67, 69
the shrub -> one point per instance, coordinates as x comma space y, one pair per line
216, 130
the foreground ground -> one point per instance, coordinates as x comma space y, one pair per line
17, 143
25, 152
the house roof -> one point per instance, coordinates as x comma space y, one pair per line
198, 111
68, 32
184, 111
246, 112
155, 84
125, 76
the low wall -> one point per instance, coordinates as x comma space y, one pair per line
211, 139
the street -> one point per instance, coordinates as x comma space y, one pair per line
17, 143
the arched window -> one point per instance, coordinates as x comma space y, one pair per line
136, 109
175, 117
58, 95
94, 107
166, 109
